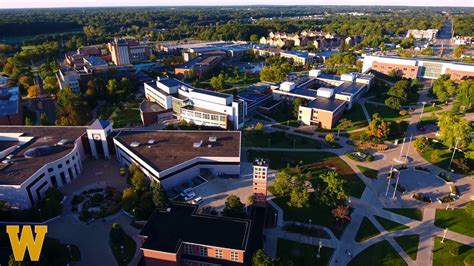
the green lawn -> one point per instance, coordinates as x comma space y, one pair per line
284, 115
366, 230
356, 115
415, 214
386, 113
409, 243
444, 155
442, 256
368, 172
380, 253
124, 258
278, 140
313, 161
457, 220
295, 253
130, 113
430, 108
390, 225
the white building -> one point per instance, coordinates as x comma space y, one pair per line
428, 34
200, 106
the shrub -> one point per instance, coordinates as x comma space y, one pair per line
469, 260
435, 156
461, 165
329, 138
370, 158
403, 112
454, 250
422, 144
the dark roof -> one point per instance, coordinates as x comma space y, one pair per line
99, 124
22, 168
326, 104
148, 106
212, 93
170, 82
349, 87
165, 231
174, 147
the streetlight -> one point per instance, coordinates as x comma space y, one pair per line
294, 143
268, 143
319, 249
454, 151
69, 249
276, 219
396, 183
422, 109
444, 235
408, 147
401, 151
310, 224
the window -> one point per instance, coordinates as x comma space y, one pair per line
67, 162
203, 251
188, 249
219, 253
234, 255
60, 166
50, 170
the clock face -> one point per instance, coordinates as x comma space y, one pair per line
96, 136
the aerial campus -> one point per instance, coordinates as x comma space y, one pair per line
239, 135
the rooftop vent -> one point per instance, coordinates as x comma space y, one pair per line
197, 144
212, 139
209, 145
151, 141
63, 142
135, 144
10, 156
168, 209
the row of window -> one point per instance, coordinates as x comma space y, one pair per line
204, 115
203, 252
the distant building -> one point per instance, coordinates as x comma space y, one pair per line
10, 106
298, 57
417, 67
95, 63
76, 59
327, 96
428, 34
75, 79
200, 64
126, 52
178, 235
200, 106
463, 40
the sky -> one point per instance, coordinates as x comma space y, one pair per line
95, 3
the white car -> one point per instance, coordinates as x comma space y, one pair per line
190, 196
197, 200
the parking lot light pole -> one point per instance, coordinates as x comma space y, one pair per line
276, 223
408, 147
319, 249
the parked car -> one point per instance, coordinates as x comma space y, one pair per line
197, 200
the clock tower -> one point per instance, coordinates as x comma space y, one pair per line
260, 181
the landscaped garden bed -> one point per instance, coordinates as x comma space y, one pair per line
96, 203
360, 155
421, 197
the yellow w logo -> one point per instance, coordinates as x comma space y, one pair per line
26, 240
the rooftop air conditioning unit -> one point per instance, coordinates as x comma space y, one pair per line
63, 142
197, 144
212, 139
209, 145
10, 156
151, 141
135, 144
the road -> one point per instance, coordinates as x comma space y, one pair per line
443, 43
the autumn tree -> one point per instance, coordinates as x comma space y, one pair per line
341, 213
454, 129
34, 91
378, 128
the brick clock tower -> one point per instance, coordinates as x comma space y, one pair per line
260, 181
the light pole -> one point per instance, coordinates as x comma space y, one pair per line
444, 235
422, 109
294, 143
276, 219
69, 249
454, 151
319, 249
309, 224
396, 183
408, 147
401, 151
389, 179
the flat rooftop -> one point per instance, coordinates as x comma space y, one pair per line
326, 104
349, 87
22, 168
175, 147
165, 231
204, 110
148, 106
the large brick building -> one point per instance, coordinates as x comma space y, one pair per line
178, 235
417, 67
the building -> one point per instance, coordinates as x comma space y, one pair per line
35, 158
298, 57
10, 106
179, 235
76, 59
175, 157
75, 79
462, 40
417, 67
326, 96
126, 52
200, 106
428, 34
199, 65
95, 63
260, 181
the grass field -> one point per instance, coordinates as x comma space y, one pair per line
295, 253
366, 230
124, 258
390, 225
443, 254
415, 214
278, 140
356, 115
409, 243
380, 253
385, 112
368, 172
457, 220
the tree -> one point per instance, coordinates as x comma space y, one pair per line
393, 103
281, 185
259, 258
34, 91
329, 138
259, 127
254, 38
422, 144
217, 83
332, 188
344, 124
299, 197
378, 128
443, 88
160, 199
50, 84
112, 86
26, 261
296, 106
454, 129
28, 121
129, 197
341, 213
464, 99
234, 207
71, 109
139, 181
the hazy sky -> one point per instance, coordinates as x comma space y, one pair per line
91, 3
